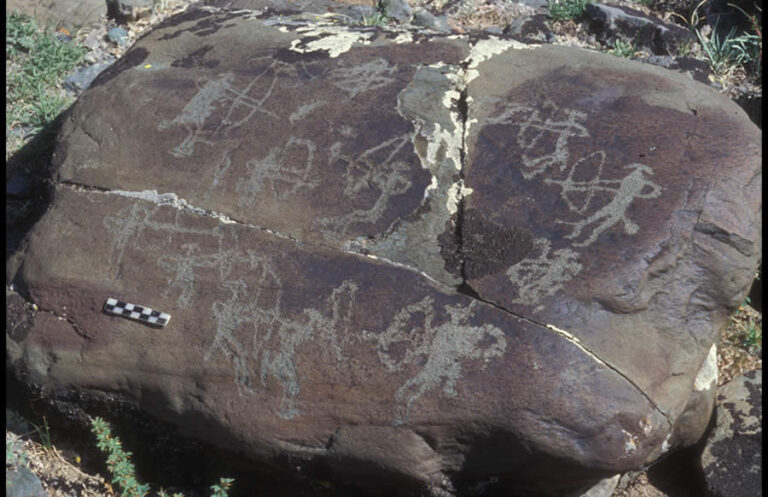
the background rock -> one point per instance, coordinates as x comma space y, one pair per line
70, 14
399, 10
646, 32
732, 456
21, 482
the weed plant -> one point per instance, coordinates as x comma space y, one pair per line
563, 10
724, 54
36, 61
623, 49
378, 18
44, 433
123, 472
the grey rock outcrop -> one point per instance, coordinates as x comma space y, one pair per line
419, 260
21, 482
732, 457
129, 10
70, 14
646, 32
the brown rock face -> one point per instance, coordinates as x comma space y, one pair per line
420, 261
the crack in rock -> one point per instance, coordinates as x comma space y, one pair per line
60, 317
741, 244
575, 341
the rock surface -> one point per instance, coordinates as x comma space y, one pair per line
732, 457
129, 10
647, 32
21, 482
324, 193
71, 14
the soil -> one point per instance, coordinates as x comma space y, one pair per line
66, 467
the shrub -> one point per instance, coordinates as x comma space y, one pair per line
122, 470
623, 49
563, 10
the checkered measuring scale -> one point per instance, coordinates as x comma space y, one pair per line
138, 312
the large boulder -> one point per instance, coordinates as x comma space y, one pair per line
418, 260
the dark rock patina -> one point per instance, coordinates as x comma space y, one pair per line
425, 260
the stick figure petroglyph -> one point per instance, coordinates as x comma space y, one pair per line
241, 105
127, 226
543, 274
537, 126
258, 313
389, 177
183, 266
633, 186
598, 200
130, 223
229, 316
286, 169
361, 78
437, 349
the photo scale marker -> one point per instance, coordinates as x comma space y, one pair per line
139, 313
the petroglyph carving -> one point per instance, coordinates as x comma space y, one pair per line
382, 169
254, 331
275, 338
543, 273
304, 110
437, 349
596, 197
625, 191
285, 169
239, 104
183, 267
539, 127
126, 226
130, 223
364, 77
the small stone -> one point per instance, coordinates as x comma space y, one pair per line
83, 77
428, 20
604, 488
534, 4
129, 10
397, 9
118, 36
93, 38
21, 482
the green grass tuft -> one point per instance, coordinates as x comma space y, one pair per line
378, 18
36, 61
563, 10
623, 49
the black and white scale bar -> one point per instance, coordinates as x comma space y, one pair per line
137, 312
